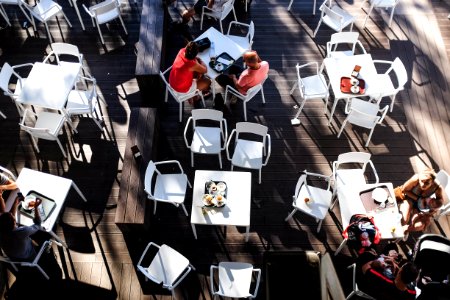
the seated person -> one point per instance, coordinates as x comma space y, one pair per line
198, 6
6, 184
187, 71
386, 276
418, 199
242, 80
15, 241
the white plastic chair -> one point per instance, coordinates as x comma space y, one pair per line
65, 53
43, 11
249, 154
31, 264
104, 12
245, 41
380, 4
334, 17
7, 75
45, 125
310, 87
206, 139
365, 114
351, 168
444, 180
219, 15
80, 102
319, 198
168, 267
384, 81
234, 280
339, 40
10, 2
179, 97
251, 93
167, 187
355, 289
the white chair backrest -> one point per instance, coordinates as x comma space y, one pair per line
226, 9
210, 114
65, 49
443, 178
354, 157
251, 92
149, 174
400, 71
105, 7
344, 37
301, 181
41, 133
330, 13
249, 127
5, 76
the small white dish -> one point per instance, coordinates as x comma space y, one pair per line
380, 195
208, 200
219, 201
354, 81
221, 186
219, 67
354, 89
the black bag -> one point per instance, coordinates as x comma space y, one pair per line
361, 233
203, 44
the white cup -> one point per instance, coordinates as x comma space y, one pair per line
354, 89
354, 81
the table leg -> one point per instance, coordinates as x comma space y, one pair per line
194, 231
78, 191
57, 238
247, 233
332, 111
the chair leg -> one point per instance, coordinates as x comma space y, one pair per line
262, 95
260, 176
154, 207
293, 88
2, 114
342, 128
100, 32
181, 112
43, 272
319, 226
5, 16
370, 136
184, 208
221, 27
201, 22
220, 160
123, 25
245, 110
61, 147
367, 17
48, 32
290, 4
65, 17
317, 29
192, 159
291, 214
392, 16
344, 242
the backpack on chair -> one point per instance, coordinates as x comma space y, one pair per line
361, 233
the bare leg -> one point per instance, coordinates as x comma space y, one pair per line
203, 84
405, 209
187, 15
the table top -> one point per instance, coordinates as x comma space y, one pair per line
54, 187
351, 202
343, 67
48, 85
221, 44
237, 209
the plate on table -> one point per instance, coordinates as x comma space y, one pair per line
215, 188
208, 200
29, 202
219, 201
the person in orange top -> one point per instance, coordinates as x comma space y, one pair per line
187, 71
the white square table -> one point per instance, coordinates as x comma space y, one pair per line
387, 220
343, 66
48, 85
237, 208
221, 44
54, 187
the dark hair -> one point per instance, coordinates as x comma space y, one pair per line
6, 222
409, 273
191, 50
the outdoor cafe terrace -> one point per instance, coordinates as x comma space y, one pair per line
101, 258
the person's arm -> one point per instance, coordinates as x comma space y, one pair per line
210, 3
37, 216
199, 67
13, 209
11, 185
2, 203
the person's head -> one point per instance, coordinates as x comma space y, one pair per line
191, 50
408, 273
251, 59
7, 222
426, 178
434, 203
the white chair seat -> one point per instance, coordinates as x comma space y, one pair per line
346, 19
53, 122
354, 177
314, 85
78, 103
235, 279
248, 154
46, 9
105, 17
385, 81
320, 198
167, 266
171, 187
366, 107
206, 140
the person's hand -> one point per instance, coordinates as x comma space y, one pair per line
38, 202
232, 76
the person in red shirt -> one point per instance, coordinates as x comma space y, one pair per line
242, 80
188, 71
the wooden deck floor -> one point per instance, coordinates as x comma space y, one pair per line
100, 262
